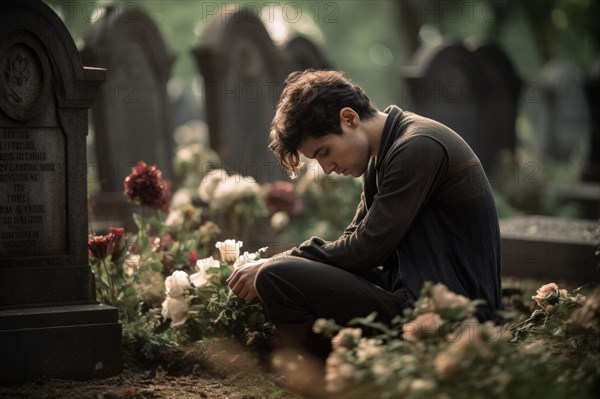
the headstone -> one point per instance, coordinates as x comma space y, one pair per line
559, 113
302, 54
591, 171
498, 99
50, 322
472, 92
243, 77
131, 117
550, 248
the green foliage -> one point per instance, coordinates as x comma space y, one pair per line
438, 350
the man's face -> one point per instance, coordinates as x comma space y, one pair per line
346, 154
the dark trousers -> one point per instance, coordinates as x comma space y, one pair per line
297, 291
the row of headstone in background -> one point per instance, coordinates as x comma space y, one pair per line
242, 72
50, 322
131, 118
473, 91
477, 92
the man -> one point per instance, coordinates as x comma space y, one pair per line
426, 213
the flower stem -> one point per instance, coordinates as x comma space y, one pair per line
110, 282
142, 227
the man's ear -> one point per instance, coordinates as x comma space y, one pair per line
349, 117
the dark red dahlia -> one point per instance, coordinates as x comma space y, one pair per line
146, 185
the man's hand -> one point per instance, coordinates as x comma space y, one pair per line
241, 280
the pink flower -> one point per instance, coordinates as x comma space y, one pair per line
543, 292
425, 324
146, 186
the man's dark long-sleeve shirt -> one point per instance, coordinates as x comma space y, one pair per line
426, 214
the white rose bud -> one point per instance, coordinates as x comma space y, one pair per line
230, 250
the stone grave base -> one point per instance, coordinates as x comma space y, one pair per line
550, 248
74, 342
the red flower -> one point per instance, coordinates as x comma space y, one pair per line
167, 262
162, 244
281, 196
193, 257
101, 246
146, 186
117, 247
98, 246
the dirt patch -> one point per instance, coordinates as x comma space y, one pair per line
136, 381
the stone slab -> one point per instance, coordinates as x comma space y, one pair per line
75, 342
550, 248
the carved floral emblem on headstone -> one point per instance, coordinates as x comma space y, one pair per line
17, 72
21, 81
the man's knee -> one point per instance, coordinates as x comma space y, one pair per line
267, 277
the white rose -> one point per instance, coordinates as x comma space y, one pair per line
233, 188
245, 258
175, 309
177, 283
202, 265
209, 184
181, 197
230, 250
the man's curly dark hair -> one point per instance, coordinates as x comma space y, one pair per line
309, 106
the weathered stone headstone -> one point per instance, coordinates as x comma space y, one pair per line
50, 322
565, 107
474, 93
547, 248
301, 54
243, 77
131, 117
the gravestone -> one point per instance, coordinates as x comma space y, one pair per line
560, 112
498, 99
131, 117
591, 171
50, 322
243, 77
301, 54
550, 248
472, 92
